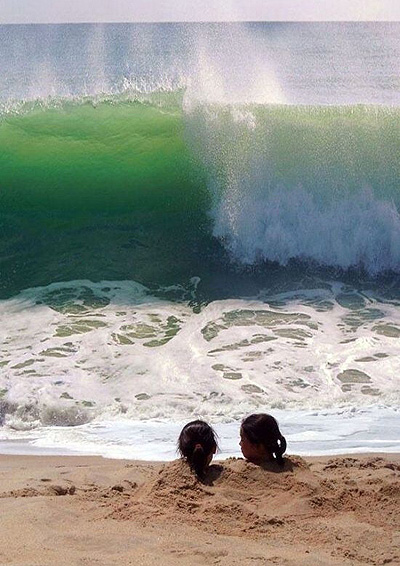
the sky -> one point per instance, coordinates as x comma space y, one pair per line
63, 11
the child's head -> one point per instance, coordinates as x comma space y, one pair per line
260, 439
197, 443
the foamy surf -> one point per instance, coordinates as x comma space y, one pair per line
309, 433
81, 351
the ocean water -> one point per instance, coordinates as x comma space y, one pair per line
199, 221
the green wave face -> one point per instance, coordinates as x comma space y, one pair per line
143, 190
100, 190
87, 159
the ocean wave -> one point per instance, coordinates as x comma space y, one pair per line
269, 182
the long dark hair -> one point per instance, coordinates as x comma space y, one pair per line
196, 442
263, 429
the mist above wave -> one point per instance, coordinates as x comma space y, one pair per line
240, 63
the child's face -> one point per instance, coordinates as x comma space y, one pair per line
252, 452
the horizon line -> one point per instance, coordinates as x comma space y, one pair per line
309, 21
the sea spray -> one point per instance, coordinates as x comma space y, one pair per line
303, 182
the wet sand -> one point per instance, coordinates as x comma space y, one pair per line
89, 511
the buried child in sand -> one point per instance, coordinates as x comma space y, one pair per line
261, 440
197, 444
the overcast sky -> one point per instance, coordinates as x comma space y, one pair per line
59, 11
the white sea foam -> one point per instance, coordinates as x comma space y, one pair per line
360, 230
291, 182
372, 429
78, 351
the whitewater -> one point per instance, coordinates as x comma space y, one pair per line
199, 221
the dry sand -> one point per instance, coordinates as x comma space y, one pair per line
57, 511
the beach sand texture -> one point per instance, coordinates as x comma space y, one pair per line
95, 512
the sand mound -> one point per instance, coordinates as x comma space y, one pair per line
299, 503
332, 511
235, 497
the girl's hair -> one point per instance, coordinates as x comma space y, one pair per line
196, 442
263, 429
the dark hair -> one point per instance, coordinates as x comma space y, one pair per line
196, 442
263, 429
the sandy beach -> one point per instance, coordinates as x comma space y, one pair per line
97, 512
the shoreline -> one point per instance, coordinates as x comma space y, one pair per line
90, 510
369, 429
216, 459
35, 452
